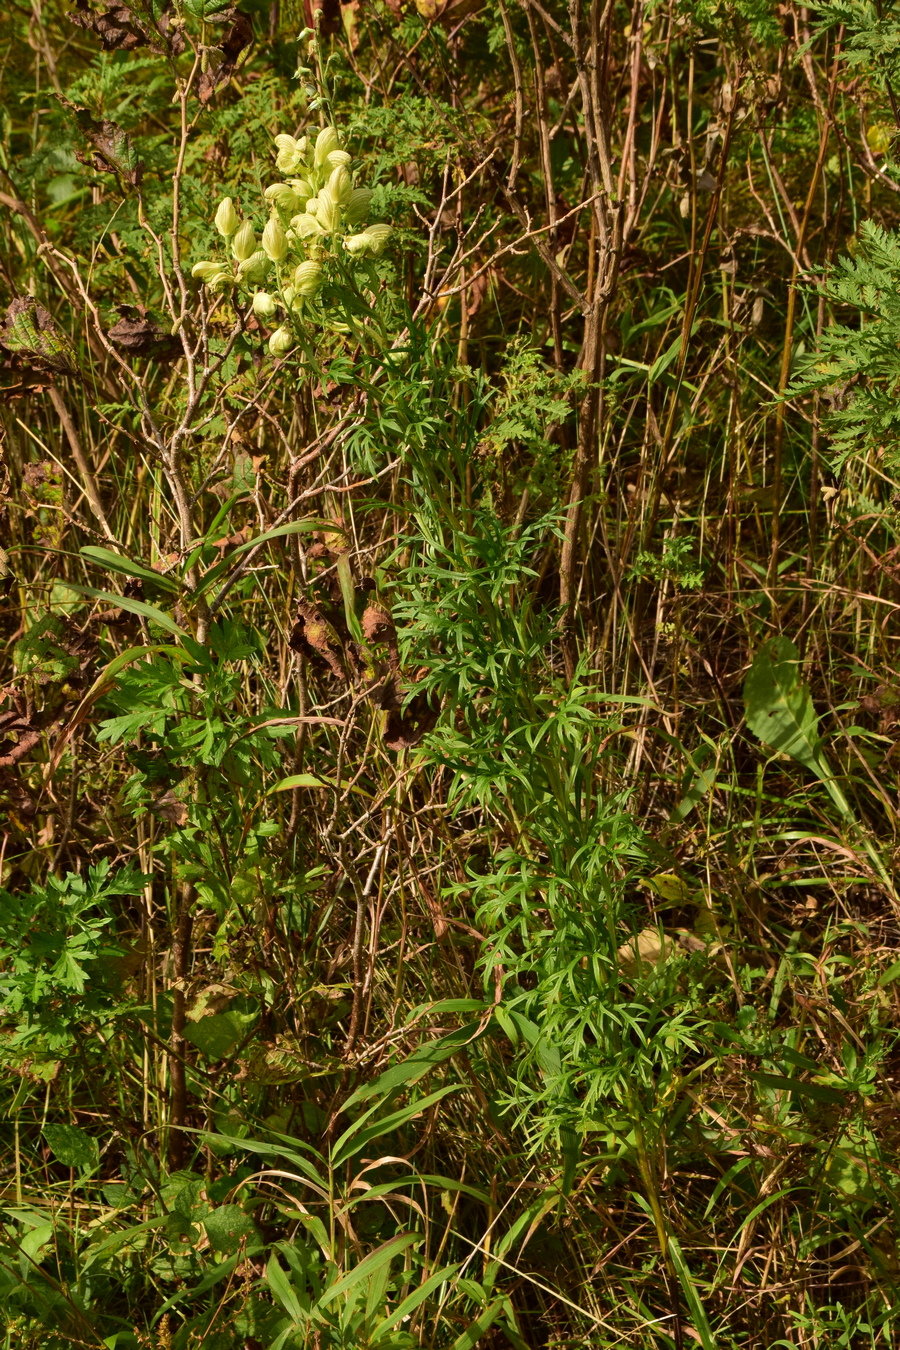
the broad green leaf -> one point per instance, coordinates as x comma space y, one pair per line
125, 1237
480, 1327
35, 1241
417, 1065
313, 780
213, 1276
779, 707
218, 1034
817, 1091
227, 1227
279, 1151
302, 780
220, 568
72, 1147
412, 1301
280, 1286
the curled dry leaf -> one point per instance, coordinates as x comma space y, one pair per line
138, 335
237, 38
111, 149
121, 30
30, 334
447, 12
18, 731
407, 719
378, 626
315, 638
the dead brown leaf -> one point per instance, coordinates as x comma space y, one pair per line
139, 335
236, 40
120, 29
316, 639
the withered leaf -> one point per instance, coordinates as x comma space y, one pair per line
111, 150
17, 730
315, 638
30, 334
406, 720
405, 726
237, 38
447, 12
138, 335
120, 29
378, 626
18, 378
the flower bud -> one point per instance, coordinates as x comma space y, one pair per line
307, 279
340, 185
326, 141
338, 157
205, 270
328, 211
357, 205
254, 269
281, 341
284, 197
244, 242
222, 280
291, 153
227, 219
306, 227
264, 305
273, 240
304, 190
370, 243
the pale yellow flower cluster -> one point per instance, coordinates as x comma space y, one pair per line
316, 211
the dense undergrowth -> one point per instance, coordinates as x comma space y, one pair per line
450, 699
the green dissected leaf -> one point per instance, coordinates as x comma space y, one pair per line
779, 707
72, 1147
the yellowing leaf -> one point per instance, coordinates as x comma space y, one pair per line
649, 948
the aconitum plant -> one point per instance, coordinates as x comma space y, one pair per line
316, 213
